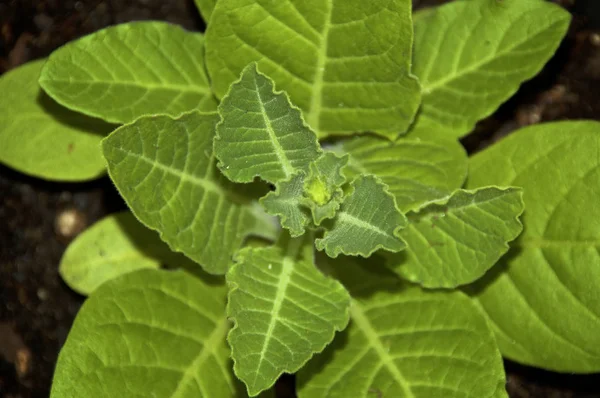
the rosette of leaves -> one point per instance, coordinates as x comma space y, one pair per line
217, 151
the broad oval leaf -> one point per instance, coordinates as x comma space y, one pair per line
284, 311
261, 133
415, 171
116, 245
123, 72
148, 333
454, 241
165, 170
41, 138
338, 60
405, 342
368, 220
543, 299
471, 56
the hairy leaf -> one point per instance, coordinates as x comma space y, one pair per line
286, 203
284, 311
41, 138
130, 70
404, 342
454, 241
323, 186
261, 133
543, 299
206, 8
149, 333
165, 170
339, 61
368, 220
471, 56
415, 171
116, 245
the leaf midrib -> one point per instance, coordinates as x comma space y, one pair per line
317, 93
345, 216
187, 88
362, 322
208, 349
286, 166
287, 268
429, 89
208, 185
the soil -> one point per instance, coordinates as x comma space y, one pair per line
38, 219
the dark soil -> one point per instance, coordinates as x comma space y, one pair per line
37, 308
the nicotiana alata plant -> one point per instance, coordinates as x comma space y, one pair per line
301, 165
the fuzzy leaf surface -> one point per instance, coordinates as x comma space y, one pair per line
471, 56
338, 60
261, 133
543, 298
115, 245
368, 220
41, 138
323, 186
165, 170
286, 203
454, 241
284, 310
405, 342
416, 171
130, 70
149, 333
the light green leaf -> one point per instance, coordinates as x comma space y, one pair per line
454, 241
41, 138
415, 171
471, 56
339, 61
286, 203
368, 220
130, 70
543, 298
404, 342
206, 8
165, 170
149, 333
284, 311
261, 133
116, 245
323, 186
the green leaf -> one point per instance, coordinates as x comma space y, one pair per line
471, 56
130, 70
40, 138
116, 245
405, 342
165, 170
415, 171
454, 241
286, 203
284, 311
323, 186
543, 298
318, 195
206, 8
148, 333
339, 61
261, 133
368, 220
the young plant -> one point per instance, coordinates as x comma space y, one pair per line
292, 151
